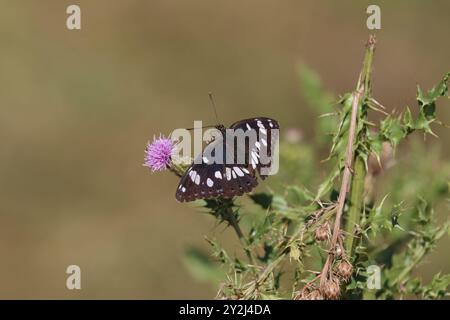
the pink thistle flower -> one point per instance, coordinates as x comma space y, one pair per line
158, 154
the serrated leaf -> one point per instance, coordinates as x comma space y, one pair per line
392, 130
438, 288
423, 123
408, 121
378, 220
440, 90
427, 104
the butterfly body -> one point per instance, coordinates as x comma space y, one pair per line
210, 179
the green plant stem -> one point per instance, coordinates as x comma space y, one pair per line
356, 204
346, 179
231, 219
359, 171
358, 115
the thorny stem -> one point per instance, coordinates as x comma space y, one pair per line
355, 204
344, 188
363, 88
317, 217
358, 181
231, 219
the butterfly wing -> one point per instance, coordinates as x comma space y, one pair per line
267, 135
238, 179
201, 182
203, 179
206, 179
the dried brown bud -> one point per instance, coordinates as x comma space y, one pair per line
315, 295
323, 232
309, 295
331, 290
344, 270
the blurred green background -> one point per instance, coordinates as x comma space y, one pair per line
77, 108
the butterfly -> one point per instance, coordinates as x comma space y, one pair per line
207, 179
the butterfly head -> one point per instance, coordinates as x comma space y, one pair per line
221, 128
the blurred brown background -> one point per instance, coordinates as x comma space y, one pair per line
77, 107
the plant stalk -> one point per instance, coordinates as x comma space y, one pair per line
359, 175
346, 180
355, 204
231, 219
360, 95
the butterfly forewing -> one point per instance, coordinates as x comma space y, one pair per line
267, 135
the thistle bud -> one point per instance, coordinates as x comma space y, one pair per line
315, 295
344, 270
331, 289
323, 232
309, 294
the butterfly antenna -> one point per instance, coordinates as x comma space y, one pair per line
211, 98
204, 127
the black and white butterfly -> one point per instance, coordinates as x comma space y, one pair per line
208, 179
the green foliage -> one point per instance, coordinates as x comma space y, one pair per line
395, 128
395, 213
262, 199
319, 101
201, 267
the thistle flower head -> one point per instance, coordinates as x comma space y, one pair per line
158, 153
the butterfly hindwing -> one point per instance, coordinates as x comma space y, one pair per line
238, 179
204, 179
201, 182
